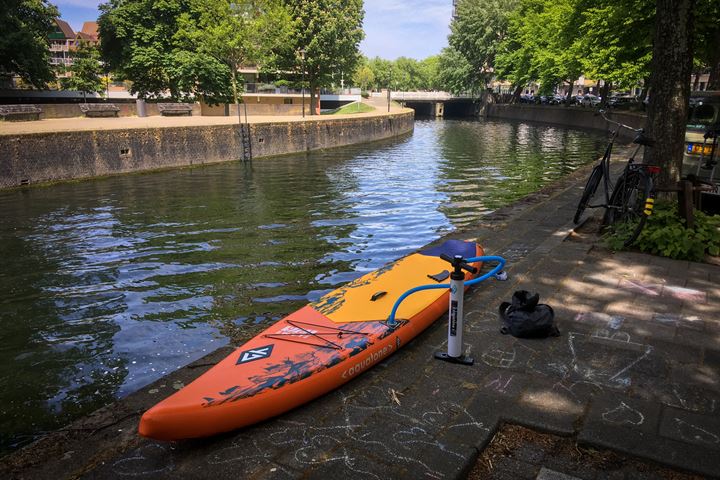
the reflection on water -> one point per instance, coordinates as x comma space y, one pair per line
109, 284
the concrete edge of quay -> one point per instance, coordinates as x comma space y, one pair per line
42, 157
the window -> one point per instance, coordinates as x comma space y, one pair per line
288, 101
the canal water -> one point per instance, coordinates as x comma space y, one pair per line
109, 284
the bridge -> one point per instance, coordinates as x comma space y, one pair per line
435, 104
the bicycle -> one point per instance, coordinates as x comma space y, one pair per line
630, 201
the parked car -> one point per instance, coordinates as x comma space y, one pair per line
556, 100
576, 100
704, 114
590, 100
623, 101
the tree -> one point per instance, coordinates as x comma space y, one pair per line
707, 40
454, 71
615, 40
476, 32
86, 70
329, 33
238, 33
147, 42
516, 52
670, 87
382, 72
364, 77
26, 25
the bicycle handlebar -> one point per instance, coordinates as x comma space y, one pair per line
636, 130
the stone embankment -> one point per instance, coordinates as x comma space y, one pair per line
70, 149
574, 117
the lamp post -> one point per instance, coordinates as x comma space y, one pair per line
302, 57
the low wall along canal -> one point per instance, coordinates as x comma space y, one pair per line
54, 156
574, 117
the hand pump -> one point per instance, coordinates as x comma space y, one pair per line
455, 312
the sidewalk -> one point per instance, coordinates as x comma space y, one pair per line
123, 123
636, 370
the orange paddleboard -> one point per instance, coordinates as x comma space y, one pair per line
311, 351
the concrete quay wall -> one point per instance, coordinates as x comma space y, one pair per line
34, 158
577, 117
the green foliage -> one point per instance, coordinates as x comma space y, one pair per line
707, 39
355, 107
454, 71
156, 45
238, 33
364, 77
665, 235
86, 70
616, 37
477, 32
25, 25
329, 33
406, 74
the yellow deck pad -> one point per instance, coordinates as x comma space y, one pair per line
352, 302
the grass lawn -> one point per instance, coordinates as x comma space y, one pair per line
355, 107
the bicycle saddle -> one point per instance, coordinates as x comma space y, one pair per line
641, 139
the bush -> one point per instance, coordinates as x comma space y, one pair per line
365, 94
665, 234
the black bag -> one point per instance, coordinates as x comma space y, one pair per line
524, 317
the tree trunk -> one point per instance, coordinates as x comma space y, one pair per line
670, 86
516, 94
604, 92
312, 97
568, 95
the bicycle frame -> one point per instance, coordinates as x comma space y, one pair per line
605, 162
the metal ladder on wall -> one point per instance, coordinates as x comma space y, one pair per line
246, 142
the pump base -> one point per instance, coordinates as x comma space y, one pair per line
462, 359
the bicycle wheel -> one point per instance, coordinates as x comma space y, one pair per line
590, 189
630, 205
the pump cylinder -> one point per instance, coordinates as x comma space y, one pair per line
455, 323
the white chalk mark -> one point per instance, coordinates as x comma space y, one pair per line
137, 465
624, 414
690, 432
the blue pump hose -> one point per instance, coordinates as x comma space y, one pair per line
491, 258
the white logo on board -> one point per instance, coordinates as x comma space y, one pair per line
255, 354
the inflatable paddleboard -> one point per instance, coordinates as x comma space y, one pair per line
313, 350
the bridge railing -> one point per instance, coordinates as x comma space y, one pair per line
427, 96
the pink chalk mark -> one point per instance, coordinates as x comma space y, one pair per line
686, 294
649, 289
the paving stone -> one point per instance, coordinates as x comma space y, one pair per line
675, 353
512, 468
546, 409
698, 376
547, 474
684, 294
693, 338
684, 426
623, 413
645, 445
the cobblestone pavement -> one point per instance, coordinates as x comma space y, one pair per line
636, 370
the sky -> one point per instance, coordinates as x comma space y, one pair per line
393, 28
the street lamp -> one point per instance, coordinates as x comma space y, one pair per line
302, 57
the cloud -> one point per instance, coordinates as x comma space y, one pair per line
414, 29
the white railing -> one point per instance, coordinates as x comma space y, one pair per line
426, 96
